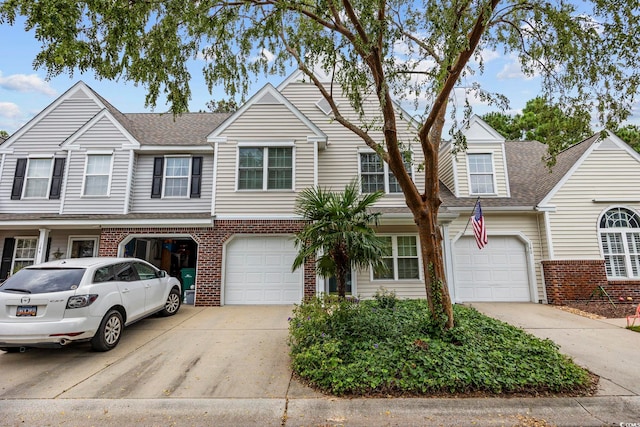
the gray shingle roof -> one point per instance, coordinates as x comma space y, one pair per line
165, 129
530, 179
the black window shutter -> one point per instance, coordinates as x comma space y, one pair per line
7, 257
196, 176
56, 178
18, 179
158, 170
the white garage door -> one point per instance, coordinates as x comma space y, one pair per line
498, 272
258, 271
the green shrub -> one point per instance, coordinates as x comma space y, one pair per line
346, 346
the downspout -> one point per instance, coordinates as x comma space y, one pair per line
216, 147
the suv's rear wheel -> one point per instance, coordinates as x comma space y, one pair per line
173, 303
109, 332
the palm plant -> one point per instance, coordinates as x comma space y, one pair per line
339, 234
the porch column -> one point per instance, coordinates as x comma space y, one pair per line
41, 251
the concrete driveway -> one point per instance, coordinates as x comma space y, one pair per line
228, 352
603, 346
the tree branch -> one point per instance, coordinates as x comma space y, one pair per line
473, 38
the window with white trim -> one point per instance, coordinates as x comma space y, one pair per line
97, 175
176, 176
38, 178
24, 253
481, 175
375, 175
277, 175
620, 238
401, 259
83, 247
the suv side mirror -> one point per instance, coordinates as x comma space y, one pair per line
162, 273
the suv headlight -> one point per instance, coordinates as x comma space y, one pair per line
79, 301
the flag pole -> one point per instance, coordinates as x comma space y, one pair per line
469, 218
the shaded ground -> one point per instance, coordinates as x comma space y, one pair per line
604, 309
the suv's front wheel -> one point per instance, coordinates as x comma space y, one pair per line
172, 304
109, 332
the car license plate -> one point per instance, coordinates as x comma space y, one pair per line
27, 311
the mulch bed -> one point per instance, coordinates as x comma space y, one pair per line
605, 309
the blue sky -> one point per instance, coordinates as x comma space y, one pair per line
24, 91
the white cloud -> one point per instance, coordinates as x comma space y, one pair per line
9, 110
26, 83
11, 117
513, 70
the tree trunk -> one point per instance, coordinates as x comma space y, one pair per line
435, 281
342, 263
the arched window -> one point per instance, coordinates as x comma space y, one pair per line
620, 236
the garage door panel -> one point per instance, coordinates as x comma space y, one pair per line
258, 271
496, 273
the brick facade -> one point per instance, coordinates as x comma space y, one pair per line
577, 280
210, 242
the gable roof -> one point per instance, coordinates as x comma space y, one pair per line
530, 178
165, 129
269, 94
79, 86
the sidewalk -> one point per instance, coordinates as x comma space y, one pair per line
160, 376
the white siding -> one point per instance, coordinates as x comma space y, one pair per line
605, 174
142, 201
44, 138
103, 135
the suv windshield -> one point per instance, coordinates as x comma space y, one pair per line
42, 280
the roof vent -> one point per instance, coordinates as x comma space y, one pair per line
324, 106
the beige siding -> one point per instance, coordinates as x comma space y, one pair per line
366, 287
230, 201
574, 224
509, 224
262, 123
498, 163
338, 164
446, 169
143, 203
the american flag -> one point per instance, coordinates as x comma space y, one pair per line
479, 230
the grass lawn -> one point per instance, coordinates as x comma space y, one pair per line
387, 346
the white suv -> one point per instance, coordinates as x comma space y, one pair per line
82, 299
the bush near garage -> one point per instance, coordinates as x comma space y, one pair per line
387, 346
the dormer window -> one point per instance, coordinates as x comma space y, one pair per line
481, 174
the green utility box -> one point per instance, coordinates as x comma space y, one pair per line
188, 279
